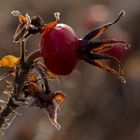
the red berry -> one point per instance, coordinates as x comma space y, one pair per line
59, 49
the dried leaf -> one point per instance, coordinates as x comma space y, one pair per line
9, 61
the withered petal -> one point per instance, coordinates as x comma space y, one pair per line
52, 111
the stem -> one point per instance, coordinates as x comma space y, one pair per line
22, 47
33, 56
43, 75
22, 71
11, 107
22, 51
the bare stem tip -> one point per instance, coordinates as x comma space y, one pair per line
122, 13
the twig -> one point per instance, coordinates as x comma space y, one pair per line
22, 71
22, 51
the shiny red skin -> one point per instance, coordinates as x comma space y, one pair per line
59, 48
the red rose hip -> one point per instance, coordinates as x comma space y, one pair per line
59, 49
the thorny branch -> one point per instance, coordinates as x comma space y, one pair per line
11, 108
30, 80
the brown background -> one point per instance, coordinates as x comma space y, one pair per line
98, 106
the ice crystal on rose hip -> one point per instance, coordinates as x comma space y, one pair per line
60, 49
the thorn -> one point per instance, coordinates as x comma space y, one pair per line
15, 112
3, 76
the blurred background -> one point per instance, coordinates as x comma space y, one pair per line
97, 106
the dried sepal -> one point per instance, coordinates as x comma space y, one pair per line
50, 104
52, 111
27, 26
109, 69
44, 98
22, 18
52, 25
59, 96
99, 31
9, 61
103, 46
53, 108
